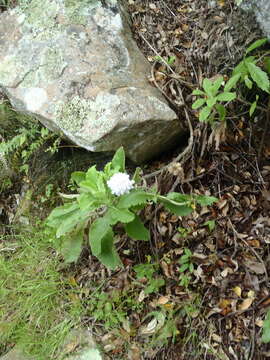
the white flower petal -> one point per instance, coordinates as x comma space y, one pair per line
120, 184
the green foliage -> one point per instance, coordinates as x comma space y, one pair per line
112, 308
212, 97
266, 329
35, 308
147, 271
95, 209
247, 72
186, 261
210, 224
169, 60
24, 140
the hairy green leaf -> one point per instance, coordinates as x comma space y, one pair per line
198, 92
118, 161
181, 209
119, 215
217, 84
136, 230
204, 200
135, 197
207, 86
204, 113
198, 103
221, 112
108, 255
211, 101
98, 230
72, 246
226, 96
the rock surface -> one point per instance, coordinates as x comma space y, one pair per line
74, 65
80, 338
261, 9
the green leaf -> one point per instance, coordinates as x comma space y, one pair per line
266, 329
256, 44
241, 69
144, 270
207, 86
198, 92
86, 202
137, 175
64, 218
204, 200
78, 176
69, 221
221, 111
119, 215
60, 211
72, 246
98, 230
211, 101
198, 103
211, 224
184, 267
259, 76
136, 230
267, 64
181, 209
226, 96
248, 82
135, 197
204, 113
252, 108
118, 161
231, 83
154, 285
108, 255
217, 84
181, 198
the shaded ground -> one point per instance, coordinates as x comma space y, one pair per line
215, 311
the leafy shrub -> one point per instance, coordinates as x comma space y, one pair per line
246, 72
104, 199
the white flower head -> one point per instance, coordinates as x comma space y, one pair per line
120, 184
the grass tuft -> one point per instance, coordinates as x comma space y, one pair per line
36, 310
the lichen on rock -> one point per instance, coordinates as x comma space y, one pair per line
75, 67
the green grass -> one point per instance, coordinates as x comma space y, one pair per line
36, 310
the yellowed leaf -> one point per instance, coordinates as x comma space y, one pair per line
237, 290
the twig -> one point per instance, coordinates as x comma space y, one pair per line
266, 279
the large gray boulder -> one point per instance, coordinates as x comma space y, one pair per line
261, 9
74, 66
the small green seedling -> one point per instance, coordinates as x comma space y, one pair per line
186, 261
211, 98
169, 60
154, 283
210, 224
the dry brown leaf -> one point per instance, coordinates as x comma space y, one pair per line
254, 266
163, 300
245, 304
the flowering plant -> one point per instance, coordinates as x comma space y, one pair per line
104, 199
